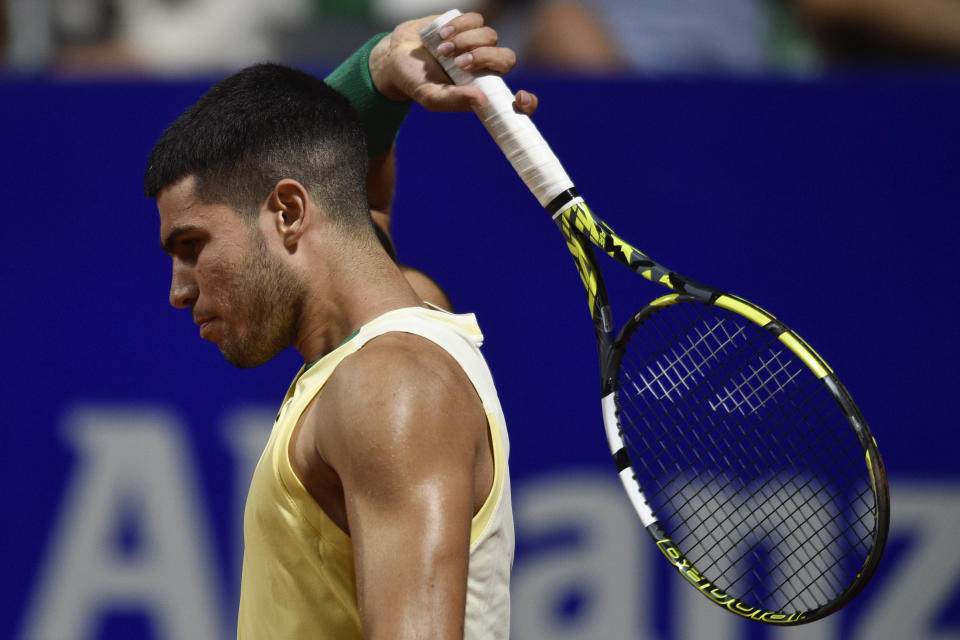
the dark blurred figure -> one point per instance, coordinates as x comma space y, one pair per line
885, 31
569, 35
668, 37
3, 34
739, 36
641, 36
332, 29
24, 35
151, 36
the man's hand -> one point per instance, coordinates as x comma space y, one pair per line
403, 69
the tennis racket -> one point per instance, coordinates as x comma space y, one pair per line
743, 455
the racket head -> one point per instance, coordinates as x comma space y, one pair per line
745, 457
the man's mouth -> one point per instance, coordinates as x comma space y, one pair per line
206, 326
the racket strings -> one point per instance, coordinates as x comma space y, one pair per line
710, 435
755, 467
723, 425
755, 450
798, 488
805, 560
737, 532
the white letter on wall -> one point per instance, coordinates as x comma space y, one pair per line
907, 605
132, 463
608, 565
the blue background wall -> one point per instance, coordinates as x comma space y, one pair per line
127, 441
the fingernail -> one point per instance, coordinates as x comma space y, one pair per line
445, 48
523, 98
446, 31
464, 60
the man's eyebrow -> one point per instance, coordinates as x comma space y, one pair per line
168, 243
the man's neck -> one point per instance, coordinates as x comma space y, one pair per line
348, 300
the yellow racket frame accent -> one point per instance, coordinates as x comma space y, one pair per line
720, 597
578, 216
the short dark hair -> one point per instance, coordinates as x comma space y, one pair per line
261, 125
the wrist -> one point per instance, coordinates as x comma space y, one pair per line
378, 65
380, 116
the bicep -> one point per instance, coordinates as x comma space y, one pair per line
406, 457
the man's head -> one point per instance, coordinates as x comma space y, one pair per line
264, 143
257, 127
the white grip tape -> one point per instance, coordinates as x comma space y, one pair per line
514, 133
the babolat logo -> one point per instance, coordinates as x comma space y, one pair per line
718, 595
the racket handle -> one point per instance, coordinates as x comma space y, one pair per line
514, 133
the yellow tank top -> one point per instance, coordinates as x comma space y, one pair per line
298, 577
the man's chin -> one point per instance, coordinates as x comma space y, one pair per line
242, 361
245, 359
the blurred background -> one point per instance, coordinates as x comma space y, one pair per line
800, 153
646, 37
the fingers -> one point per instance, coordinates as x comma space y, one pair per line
463, 98
467, 40
461, 23
473, 46
525, 102
496, 59
449, 97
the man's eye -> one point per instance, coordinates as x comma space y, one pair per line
189, 248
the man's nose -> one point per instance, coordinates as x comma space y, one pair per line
183, 287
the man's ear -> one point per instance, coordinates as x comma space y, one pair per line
290, 211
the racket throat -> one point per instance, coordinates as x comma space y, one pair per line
699, 292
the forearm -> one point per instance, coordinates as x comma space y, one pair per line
380, 116
381, 178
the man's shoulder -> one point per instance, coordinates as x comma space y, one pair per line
398, 387
397, 361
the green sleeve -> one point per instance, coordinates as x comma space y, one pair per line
380, 116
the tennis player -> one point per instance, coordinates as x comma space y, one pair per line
381, 504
